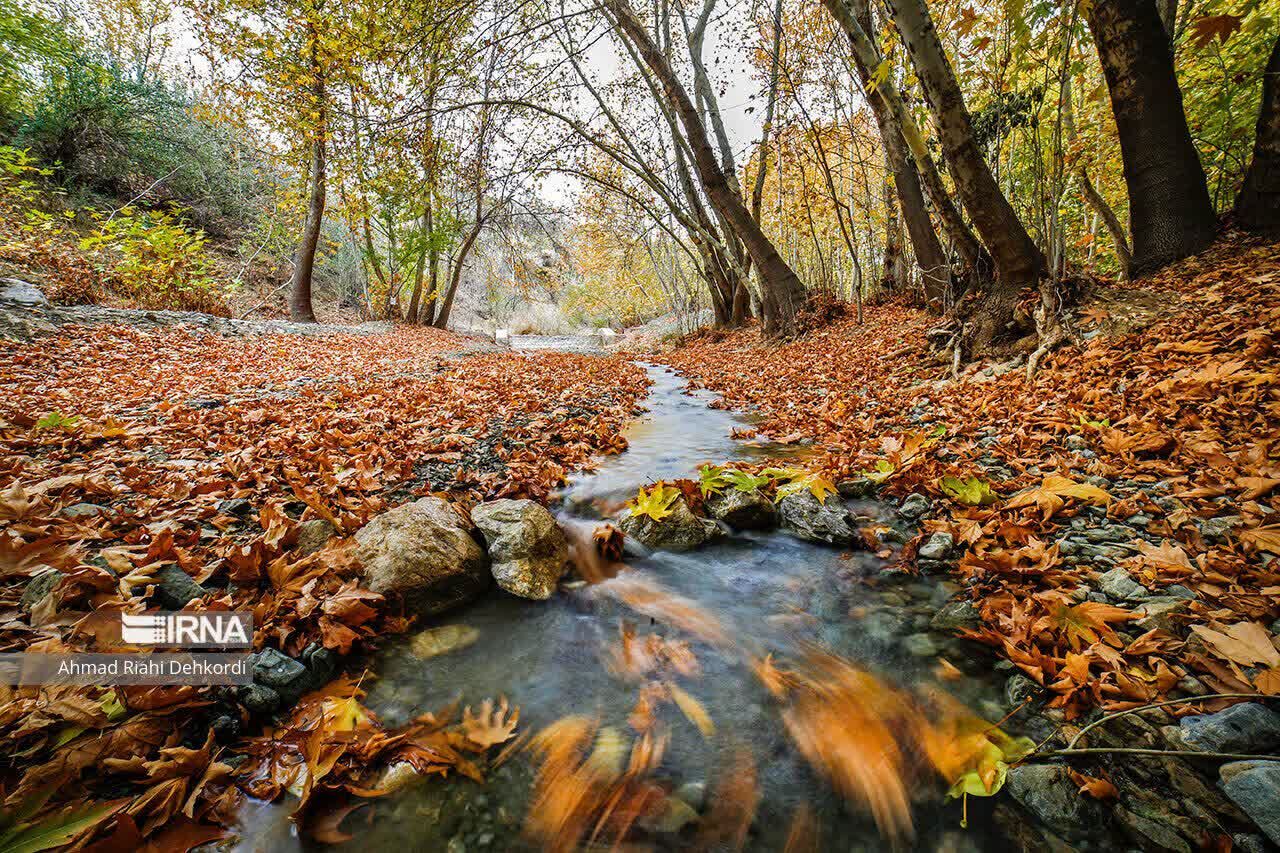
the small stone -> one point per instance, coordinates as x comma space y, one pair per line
1076, 442
937, 547
84, 510
1245, 728
235, 506
858, 487
1219, 529
693, 793
175, 588
883, 625
1159, 613
1177, 590
527, 548
956, 616
742, 510
1194, 686
1118, 584
314, 535
803, 516
38, 587
260, 699
276, 670
1256, 790
920, 645
914, 506
1150, 834
434, 642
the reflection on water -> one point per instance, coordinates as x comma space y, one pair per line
770, 591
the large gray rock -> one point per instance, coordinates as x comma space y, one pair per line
742, 510
1119, 585
21, 293
829, 521
956, 616
422, 552
1047, 792
1245, 728
680, 531
526, 546
1254, 786
175, 588
38, 588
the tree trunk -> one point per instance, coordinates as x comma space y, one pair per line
1258, 205
1170, 213
304, 260
1110, 220
455, 278
904, 143
785, 290
1018, 261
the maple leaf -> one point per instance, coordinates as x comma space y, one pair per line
654, 502
1265, 538
970, 491
491, 726
1095, 316
816, 484
1210, 27
1244, 643
1085, 622
1050, 496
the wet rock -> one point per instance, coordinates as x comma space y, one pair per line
1254, 786
1047, 792
1018, 688
956, 616
937, 547
1150, 834
914, 506
693, 793
742, 510
680, 531
273, 668
1247, 842
422, 552
260, 699
434, 642
527, 548
20, 293
884, 625
858, 487
1119, 585
84, 510
175, 588
235, 506
1159, 612
1246, 728
920, 645
314, 535
804, 517
38, 587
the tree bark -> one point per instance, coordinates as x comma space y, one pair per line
455, 277
304, 260
785, 290
1170, 213
1110, 220
1019, 263
1258, 205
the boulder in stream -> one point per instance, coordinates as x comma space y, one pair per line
527, 547
422, 552
742, 510
679, 531
803, 516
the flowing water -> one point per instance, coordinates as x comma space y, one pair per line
771, 591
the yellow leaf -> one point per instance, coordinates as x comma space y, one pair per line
693, 710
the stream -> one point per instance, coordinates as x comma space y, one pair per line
772, 591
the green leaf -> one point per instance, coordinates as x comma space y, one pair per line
57, 420
744, 482
655, 501
712, 479
970, 491
883, 471
57, 829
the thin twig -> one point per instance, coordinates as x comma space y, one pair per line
1100, 721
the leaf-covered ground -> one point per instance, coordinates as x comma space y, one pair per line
125, 454
1173, 429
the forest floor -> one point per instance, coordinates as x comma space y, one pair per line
1162, 423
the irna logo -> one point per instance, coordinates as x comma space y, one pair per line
188, 630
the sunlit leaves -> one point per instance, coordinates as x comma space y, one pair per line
971, 491
654, 501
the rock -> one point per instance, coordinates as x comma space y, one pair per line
1247, 842
439, 641
858, 487
693, 793
235, 506
174, 588
1219, 529
38, 587
920, 645
1150, 834
1018, 688
527, 548
1246, 728
1118, 584
956, 616
884, 625
314, 535
742, 510
1076, 442
1047, 792
804, 517
84, 510
273, 668
260, 699
422, 552
914, 506
21, 293
1256, 790
1158, 612
937, 547
680, 531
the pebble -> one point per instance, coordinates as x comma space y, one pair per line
914, 506
937, 547
920, 645
1119, 584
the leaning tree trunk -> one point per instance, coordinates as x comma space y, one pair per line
1018, 261
784, 288
304, 260
1258, 205
1170, 213
455, 278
